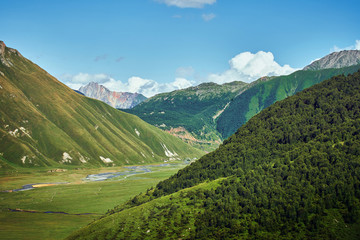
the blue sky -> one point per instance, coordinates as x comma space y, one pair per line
151, 46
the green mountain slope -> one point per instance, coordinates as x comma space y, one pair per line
263, 94
207, 114
45, 123
291, 172
190, 113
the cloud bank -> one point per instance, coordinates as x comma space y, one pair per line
248, 67
187, 3
147, 87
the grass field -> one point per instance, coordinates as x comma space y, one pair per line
77, 197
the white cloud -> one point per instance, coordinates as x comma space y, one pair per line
356, 46
208, 17
80, 79
147, 87
248, 67
187, 3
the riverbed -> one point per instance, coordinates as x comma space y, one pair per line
115, 176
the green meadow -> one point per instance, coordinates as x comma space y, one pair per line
75, 198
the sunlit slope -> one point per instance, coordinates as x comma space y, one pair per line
190, 113
263, 94
45, 123
290, 172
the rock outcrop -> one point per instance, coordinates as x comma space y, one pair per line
122, 100
341, 59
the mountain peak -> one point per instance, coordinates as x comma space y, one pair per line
2, 47
123, 100
43, 123
93, 84
4, 54
340, 59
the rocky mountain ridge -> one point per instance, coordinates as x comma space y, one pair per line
340, 59
121, 100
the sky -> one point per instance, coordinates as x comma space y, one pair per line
153, 46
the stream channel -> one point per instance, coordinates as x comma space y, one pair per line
131, 170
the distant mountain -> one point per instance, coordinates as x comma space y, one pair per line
291, 172
121, 100
264, 93
341, 59
191, 113
207, 114
45, 123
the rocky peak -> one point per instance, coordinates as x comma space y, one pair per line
93, 84
2, 47
341, 59
121, 100
4, 54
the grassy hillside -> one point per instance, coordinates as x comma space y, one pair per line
190, 113
263, 94
291, 172
45, 123
77, 197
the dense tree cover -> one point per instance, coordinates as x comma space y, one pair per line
323, 117
291, 172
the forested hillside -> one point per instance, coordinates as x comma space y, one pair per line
291, 172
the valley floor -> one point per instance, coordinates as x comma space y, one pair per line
54, 211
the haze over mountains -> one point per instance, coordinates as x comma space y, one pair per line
121, 100
45, 123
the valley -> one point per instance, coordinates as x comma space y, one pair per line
53, 212
141, 130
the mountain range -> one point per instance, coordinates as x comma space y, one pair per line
290, 172
191, 113
207, 114
45, 123
121, 100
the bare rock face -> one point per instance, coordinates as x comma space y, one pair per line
2, 47
3, 59
341, 59
4, 55
122, 100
